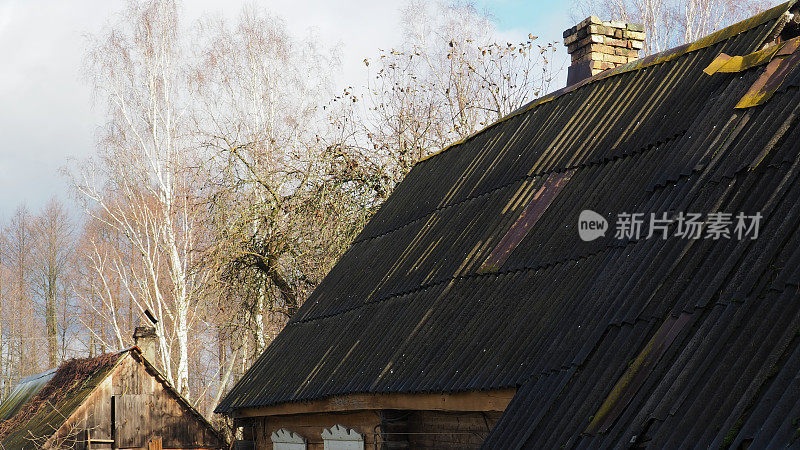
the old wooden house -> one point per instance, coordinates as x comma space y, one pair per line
114, 401
538, 285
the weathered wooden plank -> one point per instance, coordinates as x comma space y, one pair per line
143, 407
465, 401
154, 443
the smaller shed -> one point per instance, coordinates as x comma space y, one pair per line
113, 401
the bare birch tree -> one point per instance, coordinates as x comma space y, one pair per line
140, 185
107, 308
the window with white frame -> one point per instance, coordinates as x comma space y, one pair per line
284, 439
340, 438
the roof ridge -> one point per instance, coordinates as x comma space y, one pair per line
136, 354
641, 63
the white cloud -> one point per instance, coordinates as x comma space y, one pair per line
45, 107
44, 112
6, 13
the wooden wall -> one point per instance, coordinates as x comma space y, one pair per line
450, 430
143, 408
310, 426
405, 429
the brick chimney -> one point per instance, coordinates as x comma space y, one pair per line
595, 46
145, 338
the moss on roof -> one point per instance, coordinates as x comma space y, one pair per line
55, 401
22, 392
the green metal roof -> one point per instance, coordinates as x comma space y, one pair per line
24, 391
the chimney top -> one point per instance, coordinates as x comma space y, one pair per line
595, 46
145, 339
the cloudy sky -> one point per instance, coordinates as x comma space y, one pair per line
46, 111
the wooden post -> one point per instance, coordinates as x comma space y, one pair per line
154, 443
113, 422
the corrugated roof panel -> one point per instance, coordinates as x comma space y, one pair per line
22, 392
408, 308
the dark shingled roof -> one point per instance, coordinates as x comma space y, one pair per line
472, 276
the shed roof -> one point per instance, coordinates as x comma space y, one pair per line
472, 276
58, 393
40, 404
22, 392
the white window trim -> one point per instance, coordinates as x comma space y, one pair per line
340, 437
284, 439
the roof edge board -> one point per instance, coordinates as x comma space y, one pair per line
136, 354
